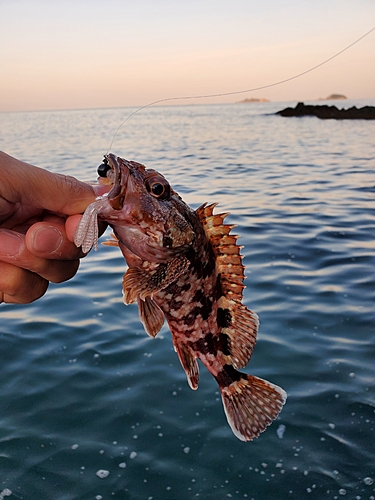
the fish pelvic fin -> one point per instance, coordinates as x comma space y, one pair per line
251, 404
151, 316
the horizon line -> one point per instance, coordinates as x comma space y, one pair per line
160, 104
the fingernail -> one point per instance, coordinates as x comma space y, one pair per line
46, 239
11, 243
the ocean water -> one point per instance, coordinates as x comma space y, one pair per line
92, 408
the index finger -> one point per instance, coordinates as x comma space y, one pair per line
34, 186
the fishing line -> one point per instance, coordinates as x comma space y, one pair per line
237, 92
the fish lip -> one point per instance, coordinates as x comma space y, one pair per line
116, 196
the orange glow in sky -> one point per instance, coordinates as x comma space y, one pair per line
67, 54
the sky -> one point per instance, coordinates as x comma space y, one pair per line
65, 54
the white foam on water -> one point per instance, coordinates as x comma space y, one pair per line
280, 431
102, 473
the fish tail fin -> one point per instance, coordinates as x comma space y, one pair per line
251, 404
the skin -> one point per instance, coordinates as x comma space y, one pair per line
39, 213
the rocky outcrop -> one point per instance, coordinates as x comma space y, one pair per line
334, 97
253, 99
330, 112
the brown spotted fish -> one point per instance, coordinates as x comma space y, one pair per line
185, 265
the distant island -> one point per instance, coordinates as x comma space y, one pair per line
330, 112
253, 99
333, 97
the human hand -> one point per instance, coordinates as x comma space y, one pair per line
38, 218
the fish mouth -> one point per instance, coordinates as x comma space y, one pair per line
115, 174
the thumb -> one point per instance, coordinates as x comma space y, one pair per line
30, 185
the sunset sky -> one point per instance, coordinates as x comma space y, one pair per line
65, 54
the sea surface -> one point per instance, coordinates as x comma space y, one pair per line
91, 408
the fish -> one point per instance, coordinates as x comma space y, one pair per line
185, 267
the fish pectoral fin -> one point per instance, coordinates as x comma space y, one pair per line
151, 316
251, 404
242, 330
189, 364
141, 283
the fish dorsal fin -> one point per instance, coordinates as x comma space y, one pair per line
236, 320
226, 250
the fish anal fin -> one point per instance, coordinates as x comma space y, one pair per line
151, 316
251, 404
189, 364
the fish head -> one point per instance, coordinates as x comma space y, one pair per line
147, 215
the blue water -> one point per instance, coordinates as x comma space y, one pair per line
83, 389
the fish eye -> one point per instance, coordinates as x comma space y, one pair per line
158, 189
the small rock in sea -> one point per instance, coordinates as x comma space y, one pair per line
330, 112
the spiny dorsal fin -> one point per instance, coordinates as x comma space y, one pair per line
227, 252
238, 322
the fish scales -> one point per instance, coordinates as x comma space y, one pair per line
185, 266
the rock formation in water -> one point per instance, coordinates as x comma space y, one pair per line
253, 99
333, 97
330, 112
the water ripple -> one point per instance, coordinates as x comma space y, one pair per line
85, 390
